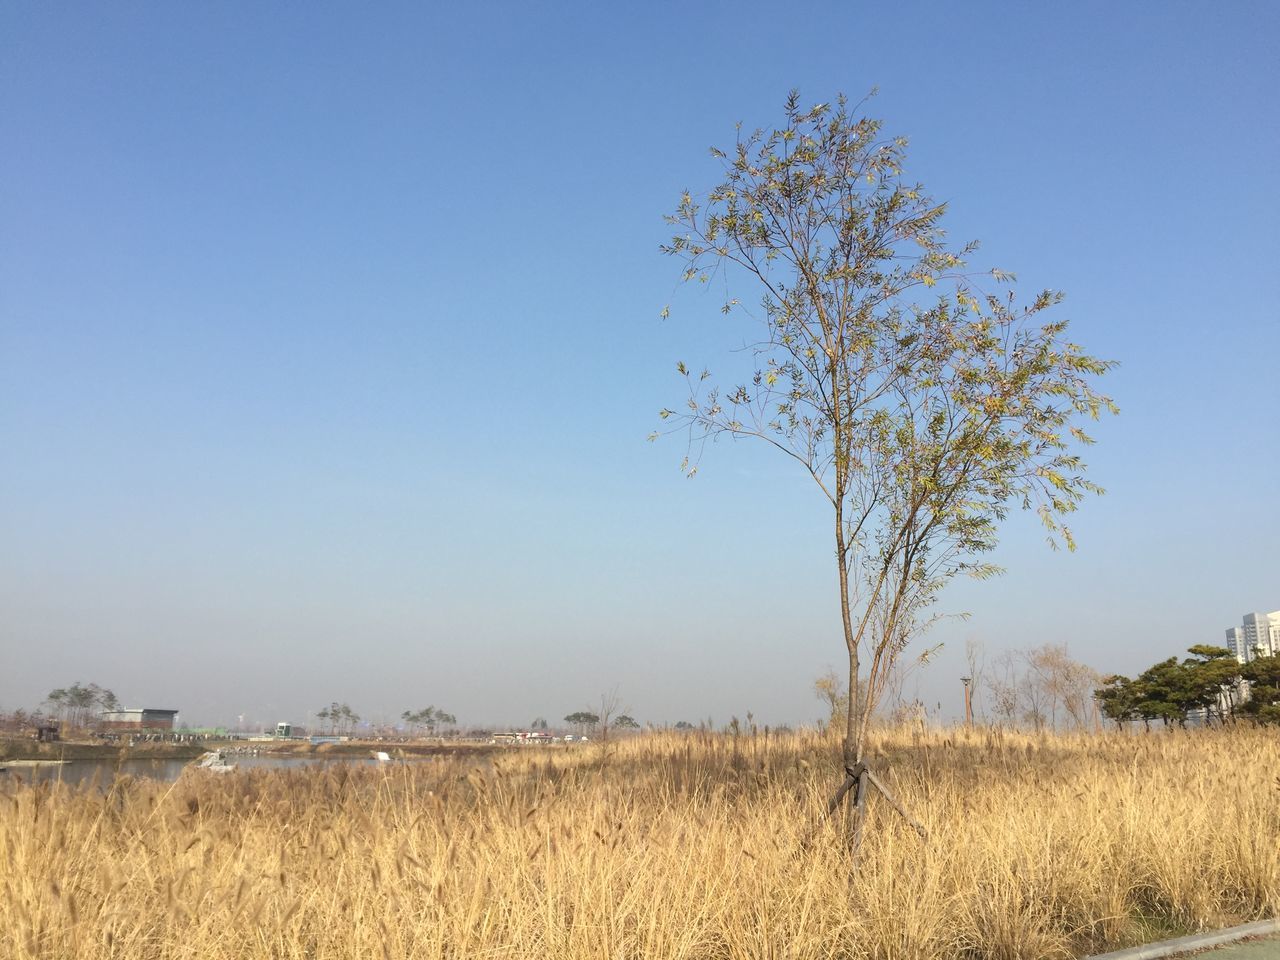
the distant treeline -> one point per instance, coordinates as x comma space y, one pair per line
1210, 684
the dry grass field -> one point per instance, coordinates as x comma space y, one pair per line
657, 847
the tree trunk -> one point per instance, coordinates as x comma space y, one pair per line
852, 748
854, 769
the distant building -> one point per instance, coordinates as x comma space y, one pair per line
142, 719
1257, 636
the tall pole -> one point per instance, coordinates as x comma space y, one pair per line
968, 702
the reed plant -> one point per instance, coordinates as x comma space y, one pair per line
657, 846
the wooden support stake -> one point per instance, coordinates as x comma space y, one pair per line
834, 802
893, 801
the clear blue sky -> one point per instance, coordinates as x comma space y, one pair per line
329, 343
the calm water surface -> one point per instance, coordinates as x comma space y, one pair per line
76, 772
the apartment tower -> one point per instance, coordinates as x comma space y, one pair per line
1257, 636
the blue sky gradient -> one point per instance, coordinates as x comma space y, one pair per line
329, 343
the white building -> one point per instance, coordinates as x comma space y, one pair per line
1257, 636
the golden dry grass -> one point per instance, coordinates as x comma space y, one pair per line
658, 847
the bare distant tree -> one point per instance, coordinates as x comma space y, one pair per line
1034, 700
1042, 687
829, 688
1067, 684
975, 659
1001, 684
610, 705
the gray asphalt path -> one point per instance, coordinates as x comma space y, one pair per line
1235, 944
1268, 949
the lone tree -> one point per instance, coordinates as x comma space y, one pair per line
610, 704
922, 400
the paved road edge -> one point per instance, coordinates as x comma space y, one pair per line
1197, 941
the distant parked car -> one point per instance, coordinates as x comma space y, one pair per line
568, 738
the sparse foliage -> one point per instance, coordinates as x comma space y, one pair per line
1042, 687
923, 403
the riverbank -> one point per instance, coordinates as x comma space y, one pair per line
27, 749
362, 748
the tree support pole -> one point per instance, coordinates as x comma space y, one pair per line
859, 779
834, 802
849, 782
893, 801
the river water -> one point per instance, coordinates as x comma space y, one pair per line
78, 772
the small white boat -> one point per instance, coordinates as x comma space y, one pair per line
382, 756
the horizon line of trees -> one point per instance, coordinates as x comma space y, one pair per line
340, 717
76, 705
428, 718
1043, 687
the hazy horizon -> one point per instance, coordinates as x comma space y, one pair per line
330, 342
